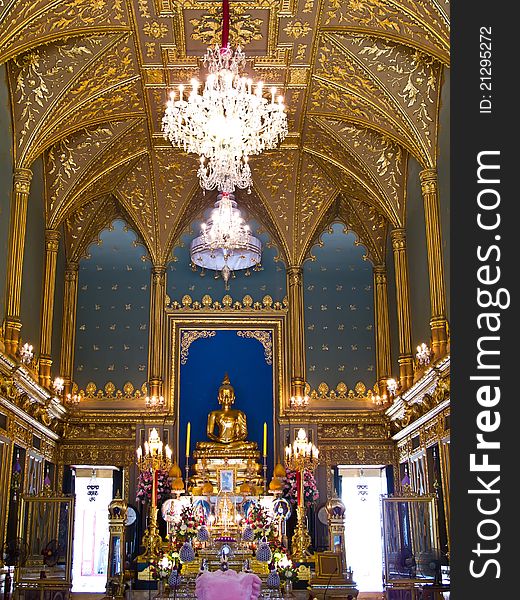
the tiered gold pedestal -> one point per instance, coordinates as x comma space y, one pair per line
241, 457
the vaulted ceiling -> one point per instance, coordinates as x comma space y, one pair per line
89, 80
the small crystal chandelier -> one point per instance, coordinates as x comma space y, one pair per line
226, 244
26, 353
423, 355
154, 402
299, 401
228, 121
392, 386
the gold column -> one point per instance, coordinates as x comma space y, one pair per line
156, 338
17, 225
403, 307
383, 355
438, 321
296, 329
68, 336
52, 242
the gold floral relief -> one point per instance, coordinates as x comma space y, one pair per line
136, 194
113, 145
68, 156
115, 65
243, 27
187, 339
297, 29
368, 223
265, 338
418, 23
381, 155
32, 21
314, 194
37, 75
84, 226
411, 77
155, 30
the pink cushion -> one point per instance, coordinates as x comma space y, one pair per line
228, 585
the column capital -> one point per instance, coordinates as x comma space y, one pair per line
428, 179
398, 236
159, 269
72, 266
52, 239
295, 275
22, 180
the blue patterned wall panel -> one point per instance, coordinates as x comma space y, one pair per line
182, 279
202, 369
339, 312
113, 311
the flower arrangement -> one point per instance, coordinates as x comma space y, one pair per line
186, 526
161, 568
310, 489
144, 486
287, 570
260, 522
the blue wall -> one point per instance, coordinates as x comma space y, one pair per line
250, 374
339, 313
113, 311
182, 279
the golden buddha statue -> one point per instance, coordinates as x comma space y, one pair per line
227, 428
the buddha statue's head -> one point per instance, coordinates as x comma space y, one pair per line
226, 393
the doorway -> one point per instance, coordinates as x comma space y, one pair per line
93, 488
361, 489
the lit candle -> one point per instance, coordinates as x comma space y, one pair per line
188, 432
139, 453
265, 439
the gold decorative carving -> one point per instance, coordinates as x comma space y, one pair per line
155, 30
110, 391
187, 339
342, 392
243, 28
227, 303
297, 29
264, 337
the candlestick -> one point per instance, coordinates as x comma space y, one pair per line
265, 439
188, 433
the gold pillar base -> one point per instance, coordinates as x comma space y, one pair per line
12, 328
439, 329
301, 539
44, 371
297, 386
155, 387
405, 371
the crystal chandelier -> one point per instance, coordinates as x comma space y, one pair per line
423, 355
154, 402
299, 401
228, 121
226, 243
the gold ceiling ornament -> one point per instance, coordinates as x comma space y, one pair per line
243, 28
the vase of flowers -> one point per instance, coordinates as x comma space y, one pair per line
185, 528
261, 523
145, 483
310, 489
287, 572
